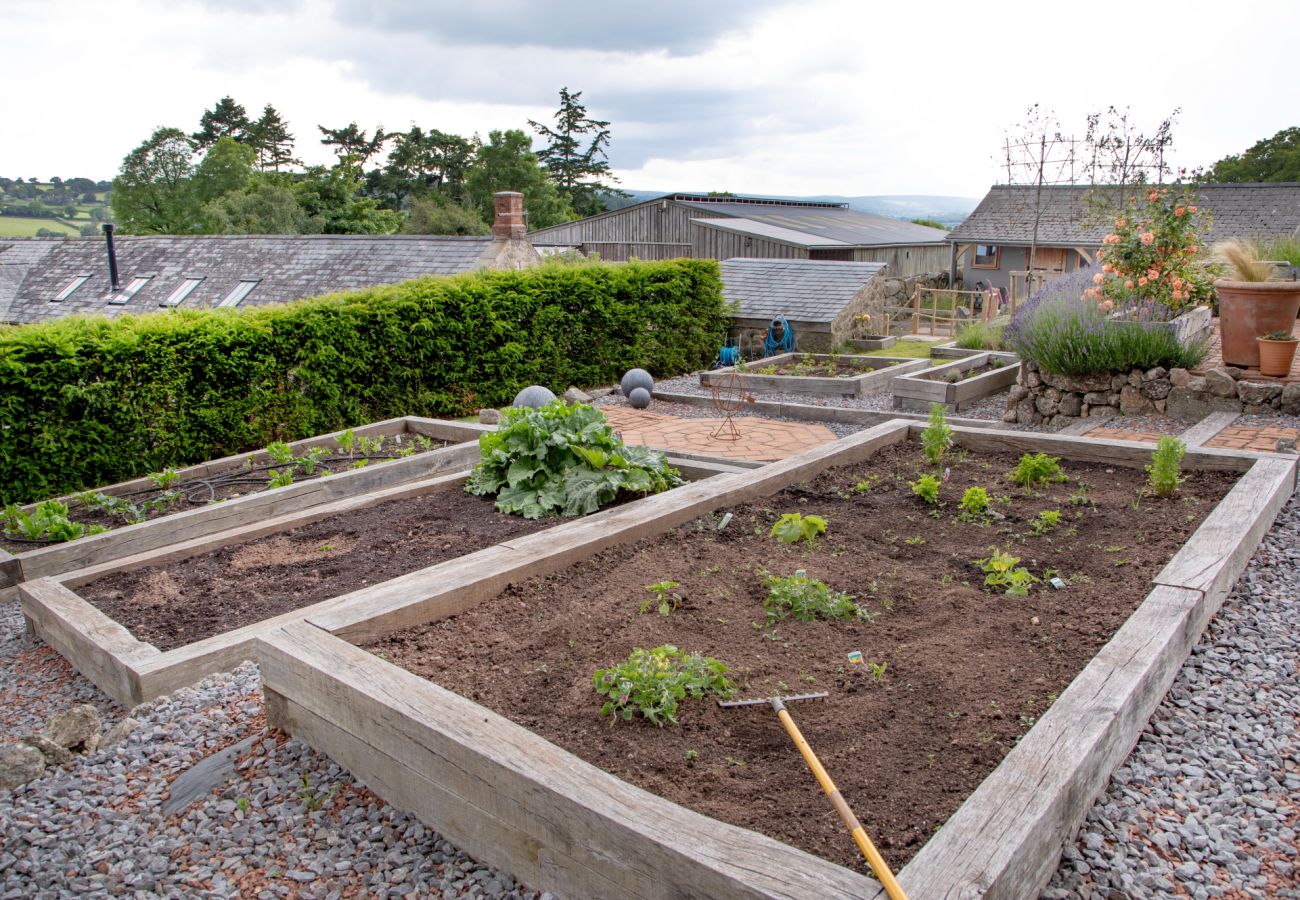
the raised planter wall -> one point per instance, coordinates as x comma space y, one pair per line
884, 369
916, 391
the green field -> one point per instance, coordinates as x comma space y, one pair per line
22, 226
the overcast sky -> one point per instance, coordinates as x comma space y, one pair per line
752, 96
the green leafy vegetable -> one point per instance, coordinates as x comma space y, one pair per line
655, 681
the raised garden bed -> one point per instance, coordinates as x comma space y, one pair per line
241, 492
559, 823
815, 373
875, 342
150, 623
956, 384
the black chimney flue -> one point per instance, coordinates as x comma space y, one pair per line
112, 258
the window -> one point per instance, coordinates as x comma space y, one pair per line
242, 290
177, 297
986, 257
128, 292
70, 289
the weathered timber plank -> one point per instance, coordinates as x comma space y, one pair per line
1087, 449
517, 801
1005, 841
95, 645
984, 383
10, 569
247, 531
446, 430
1202, 431
694, 470
1217, 552
425, 595
134, 539
1082, 426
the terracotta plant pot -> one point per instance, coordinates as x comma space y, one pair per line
1275, 357
1249, 309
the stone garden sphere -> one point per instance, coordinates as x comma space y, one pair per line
639, 398
534, 397
636, 378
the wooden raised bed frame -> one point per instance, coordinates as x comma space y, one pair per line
132, 671
915, 391
129, 540
884, 369
558, 823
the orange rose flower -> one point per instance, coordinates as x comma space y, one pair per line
1148, 238
1129, 284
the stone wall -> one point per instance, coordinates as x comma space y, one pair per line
1040, 397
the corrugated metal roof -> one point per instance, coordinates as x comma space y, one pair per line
1006, 214
286, 268
849, 226
802, 290
775, 232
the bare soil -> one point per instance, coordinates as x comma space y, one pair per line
966, 669
181, 602
247, 478
824, 369
966, 374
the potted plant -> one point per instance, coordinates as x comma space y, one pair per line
1276, 351
1250, 305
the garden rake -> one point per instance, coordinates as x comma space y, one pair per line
878, 864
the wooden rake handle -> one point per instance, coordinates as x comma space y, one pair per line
878, 864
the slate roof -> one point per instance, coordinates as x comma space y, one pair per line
1006, 214
825, 220
774, 232
802, 290
286, 267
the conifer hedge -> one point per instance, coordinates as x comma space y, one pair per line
87, 401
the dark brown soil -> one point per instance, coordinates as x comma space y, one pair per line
185, 601
968, 669
248, 478
824, 369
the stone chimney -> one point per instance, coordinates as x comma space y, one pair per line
509, 224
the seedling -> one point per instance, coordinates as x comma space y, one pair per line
792, 528
165, 479
914, 541
655, 681
927, 488
877, 670
936, 437
663, 598
281, 477
311, 459
1038, 469
807, 599
1164, 471
692, 756
974, 505
48, 522
1047, 520
866, 484
347, 441
280, 453
1001, 571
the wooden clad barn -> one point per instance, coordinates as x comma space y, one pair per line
729, 227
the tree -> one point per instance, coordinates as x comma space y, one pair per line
437, 215
329, 198
226, 119
267, 207
270, 136
577, 164
351, 144
226, 168
152, 195
507, 163
1272, 159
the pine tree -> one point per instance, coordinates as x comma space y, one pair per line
351, 144
226, 119
577, 164
270, 136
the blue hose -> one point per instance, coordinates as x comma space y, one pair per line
772, 345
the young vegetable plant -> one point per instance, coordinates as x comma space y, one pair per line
347, 441
48, 522
877, 670
1037, 469
1001, 571
974, 505
311, 459
936, 437
807, 599
1047, 521
280, 453
1166, 462
281, 477
655, 681
165, 480
663, 597
792, 528
927, 488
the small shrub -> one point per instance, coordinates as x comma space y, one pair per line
792, 528
936, 437
974, 504
663, 598
1047, 521
980, 336
1001, 570
655, 681
1037, 469
806, 599
1166, 462
927, 488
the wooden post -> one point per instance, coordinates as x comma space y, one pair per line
916, 310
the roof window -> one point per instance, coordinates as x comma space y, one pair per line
71, 288
242, 290
128, 292
177, 297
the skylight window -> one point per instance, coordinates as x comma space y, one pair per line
177, 297
242, 290
70, 289
128, 292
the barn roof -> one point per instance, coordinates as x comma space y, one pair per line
773, 232
1006, 214
802, 290
824, 220
34, 272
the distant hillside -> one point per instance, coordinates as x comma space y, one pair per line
949, 210
54, 208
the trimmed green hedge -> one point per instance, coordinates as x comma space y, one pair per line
90, 401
